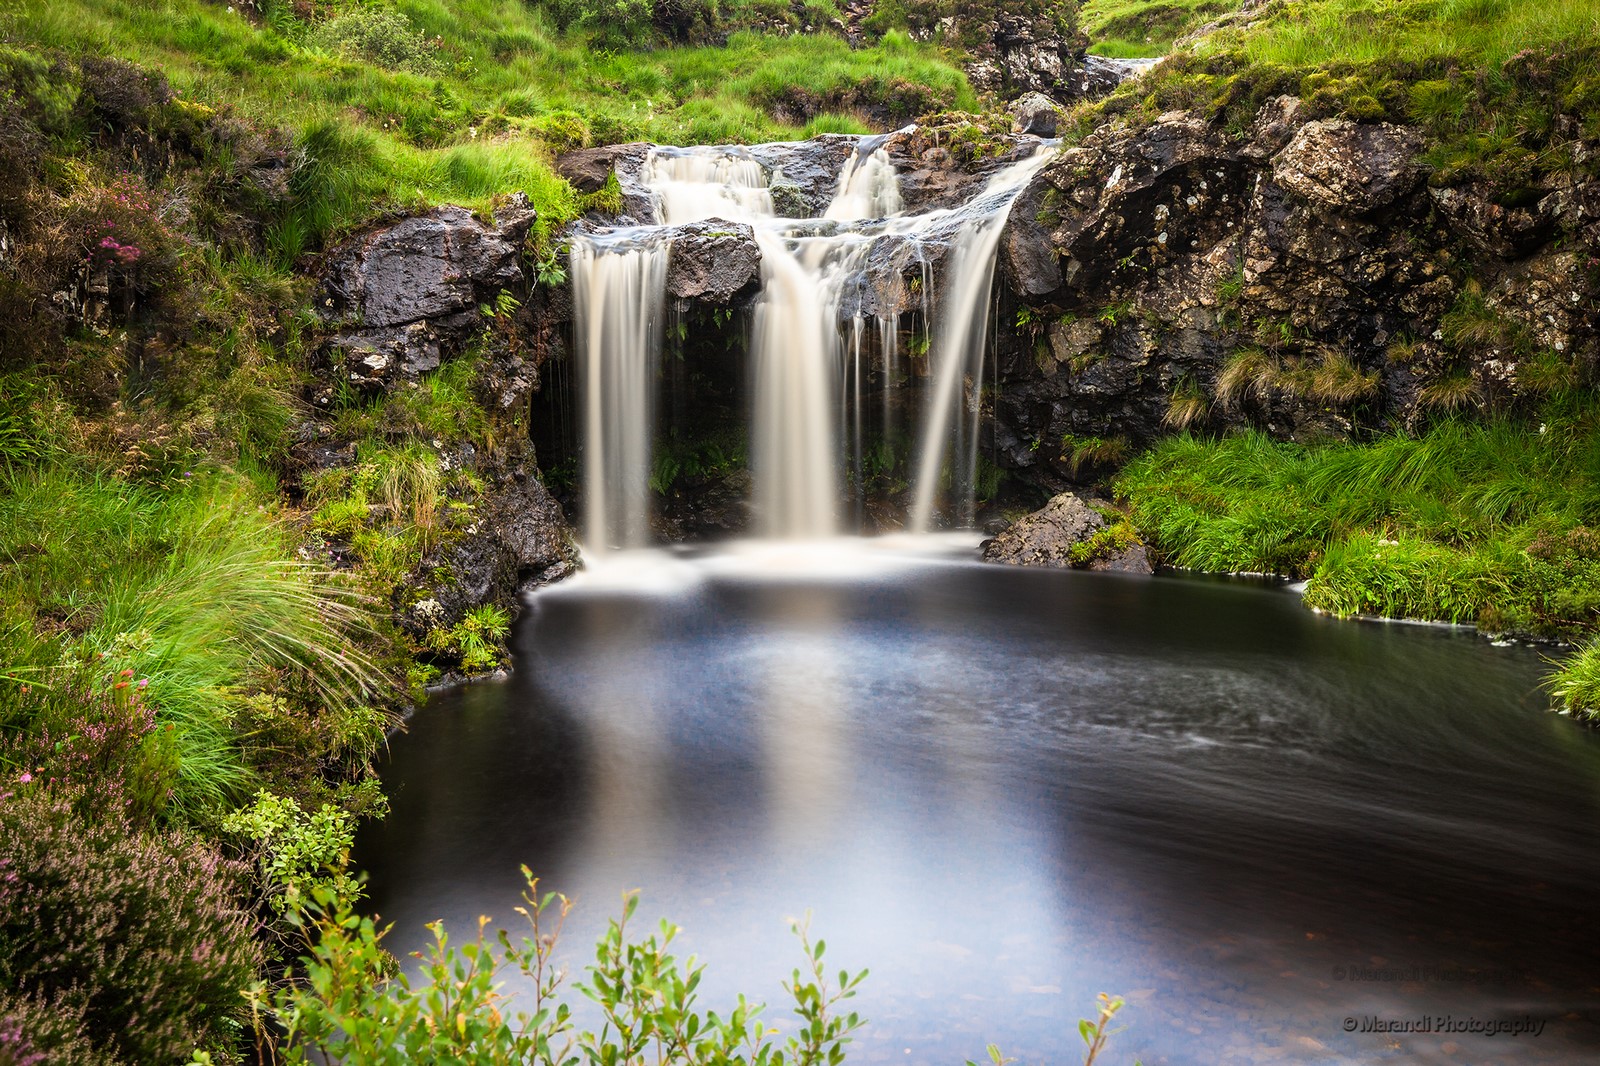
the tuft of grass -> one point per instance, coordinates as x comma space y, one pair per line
1576, 684
1247, 373
194, 587
1187, 405
1451, 392
1085, 454
1337, 380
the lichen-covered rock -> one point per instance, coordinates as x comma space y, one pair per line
1350, 166
1067, 532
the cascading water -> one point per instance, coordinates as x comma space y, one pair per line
957, 354
809, 321
619, 296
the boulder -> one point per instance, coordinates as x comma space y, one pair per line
407, 293
1035, 113
588, 169
1067, 533
1350, 166
713, 261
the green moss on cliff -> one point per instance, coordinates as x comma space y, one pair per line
1503, 88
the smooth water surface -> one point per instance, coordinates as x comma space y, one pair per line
1006, 790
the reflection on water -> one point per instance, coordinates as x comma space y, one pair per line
1007, 790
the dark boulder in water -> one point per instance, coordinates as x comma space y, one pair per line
713, 261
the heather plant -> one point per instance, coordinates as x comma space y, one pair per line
138, 933
99, 745
37, 1033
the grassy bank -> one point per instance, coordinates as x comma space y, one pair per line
1503, 88
429, 102
1491, 523
1142, 29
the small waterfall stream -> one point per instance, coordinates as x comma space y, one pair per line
807, 364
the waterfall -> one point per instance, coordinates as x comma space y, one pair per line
618, 296
956, 352
821, 279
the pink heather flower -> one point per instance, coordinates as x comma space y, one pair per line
144, 682
25, 778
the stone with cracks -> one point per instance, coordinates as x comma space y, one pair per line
1061, 534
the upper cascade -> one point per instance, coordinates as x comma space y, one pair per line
822, 280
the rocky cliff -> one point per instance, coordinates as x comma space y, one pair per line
1312, 277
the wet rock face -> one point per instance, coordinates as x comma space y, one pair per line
713, 261
1295, 278
521, 542
1066, 533
405, 296
403, 299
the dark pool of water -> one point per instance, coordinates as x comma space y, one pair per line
1007, 790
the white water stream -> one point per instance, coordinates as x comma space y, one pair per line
806, 355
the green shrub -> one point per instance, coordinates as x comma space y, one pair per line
297, 853
137, 933
353, 1008
378, 35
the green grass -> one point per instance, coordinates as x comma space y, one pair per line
1482, 33
1492, 522
499, 92
1576, 685
192, 585
1486, 79
1138, 29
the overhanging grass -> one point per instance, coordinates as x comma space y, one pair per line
1576, 685
191, 585
1492, 523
